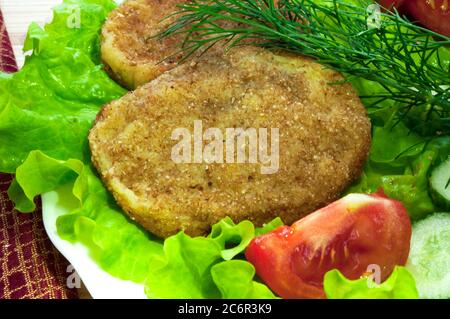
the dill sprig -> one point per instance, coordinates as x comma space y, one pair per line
409, 63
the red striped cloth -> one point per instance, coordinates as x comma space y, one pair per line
30, 266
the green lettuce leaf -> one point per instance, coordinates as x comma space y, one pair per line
234, 279
403, 153
266, 228
407, 145
51, 103
409, 186
46, 111
119, 246
187, 271
232, 239
402, 168
399, 285
179, 267
189, 266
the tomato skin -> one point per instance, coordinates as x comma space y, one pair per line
349, 234
268, 254
433, 14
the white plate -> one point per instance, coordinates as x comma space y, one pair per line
99, 283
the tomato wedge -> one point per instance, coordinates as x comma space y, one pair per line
433, 14
350, 234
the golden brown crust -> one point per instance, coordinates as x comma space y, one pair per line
131, 53
324, 141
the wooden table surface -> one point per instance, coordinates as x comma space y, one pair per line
18, 15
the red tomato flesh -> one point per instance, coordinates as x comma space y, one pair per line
433, 14
349, 234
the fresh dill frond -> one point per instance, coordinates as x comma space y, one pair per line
409, 63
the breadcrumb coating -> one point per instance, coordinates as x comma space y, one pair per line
132, 54
324, 141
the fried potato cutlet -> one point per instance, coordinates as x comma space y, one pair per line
324, 139
131, 53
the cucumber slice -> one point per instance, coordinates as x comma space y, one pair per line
429, 257
440, 185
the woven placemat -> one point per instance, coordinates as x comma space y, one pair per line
30, 266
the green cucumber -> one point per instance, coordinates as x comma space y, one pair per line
429, 257
440, 184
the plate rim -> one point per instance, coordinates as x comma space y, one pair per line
98, 282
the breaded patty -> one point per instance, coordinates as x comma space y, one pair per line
129, 49
324, 139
